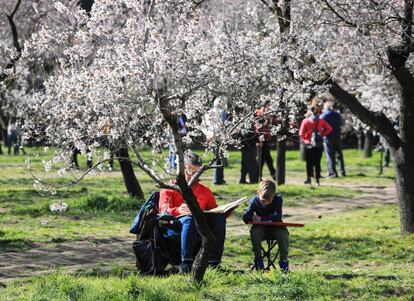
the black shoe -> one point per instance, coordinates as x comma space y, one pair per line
243, 182
220, 183
343, 174
318, 183
308, 181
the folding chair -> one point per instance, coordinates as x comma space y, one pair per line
267, 253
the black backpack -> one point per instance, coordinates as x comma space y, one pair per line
149, 253
152, 249
316, 139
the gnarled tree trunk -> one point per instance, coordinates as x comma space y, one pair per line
404, 175
130, 180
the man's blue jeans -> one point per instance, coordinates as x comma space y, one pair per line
333, 148
190, 237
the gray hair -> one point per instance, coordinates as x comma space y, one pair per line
192, 158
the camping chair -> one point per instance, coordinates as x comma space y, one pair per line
157, 243
267, 256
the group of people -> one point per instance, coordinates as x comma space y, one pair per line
265, 206
319, 131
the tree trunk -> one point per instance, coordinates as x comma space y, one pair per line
404, 175
281, 162
360, 135
368, 144
207, 238
130, 180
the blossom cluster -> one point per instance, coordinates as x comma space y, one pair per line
58, 207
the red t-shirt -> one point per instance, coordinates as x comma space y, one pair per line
170, 199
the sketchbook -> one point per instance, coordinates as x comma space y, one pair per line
226, 207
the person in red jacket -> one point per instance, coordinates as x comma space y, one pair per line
311, 131
173, 203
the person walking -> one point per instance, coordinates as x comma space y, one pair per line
332, 141
312, 130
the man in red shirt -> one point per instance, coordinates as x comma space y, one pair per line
173, 203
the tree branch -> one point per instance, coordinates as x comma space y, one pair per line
142, 165
16, 44
376, 120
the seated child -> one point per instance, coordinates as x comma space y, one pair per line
267, 206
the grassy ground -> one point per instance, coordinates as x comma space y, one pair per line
357, 254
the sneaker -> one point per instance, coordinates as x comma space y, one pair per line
185, 267
284, 266
258, 264
332, 176
308, 181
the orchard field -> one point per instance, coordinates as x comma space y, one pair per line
349, 249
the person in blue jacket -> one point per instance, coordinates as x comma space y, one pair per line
266, 206
332, 142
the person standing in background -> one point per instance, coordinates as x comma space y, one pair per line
263, 124
332, 141
311, 131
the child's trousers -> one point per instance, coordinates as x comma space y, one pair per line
260, 232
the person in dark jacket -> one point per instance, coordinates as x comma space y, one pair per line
263, 125
332, 141
266, 206
248, 156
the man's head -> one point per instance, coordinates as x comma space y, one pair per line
328, 105
266, 191
192, 163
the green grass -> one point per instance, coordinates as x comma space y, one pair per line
354, 255
330, 260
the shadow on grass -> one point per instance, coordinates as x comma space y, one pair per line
15, 245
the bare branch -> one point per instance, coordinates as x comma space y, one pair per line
16, 44
142, 165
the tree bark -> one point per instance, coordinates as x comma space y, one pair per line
281, 162
207, 238
404, 175
130, 180
368, 144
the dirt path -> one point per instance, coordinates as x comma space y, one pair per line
92, 252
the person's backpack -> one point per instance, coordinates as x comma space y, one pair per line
156, 245
150, 257
316, 139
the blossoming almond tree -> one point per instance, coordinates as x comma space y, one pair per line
131, 69
341, 45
